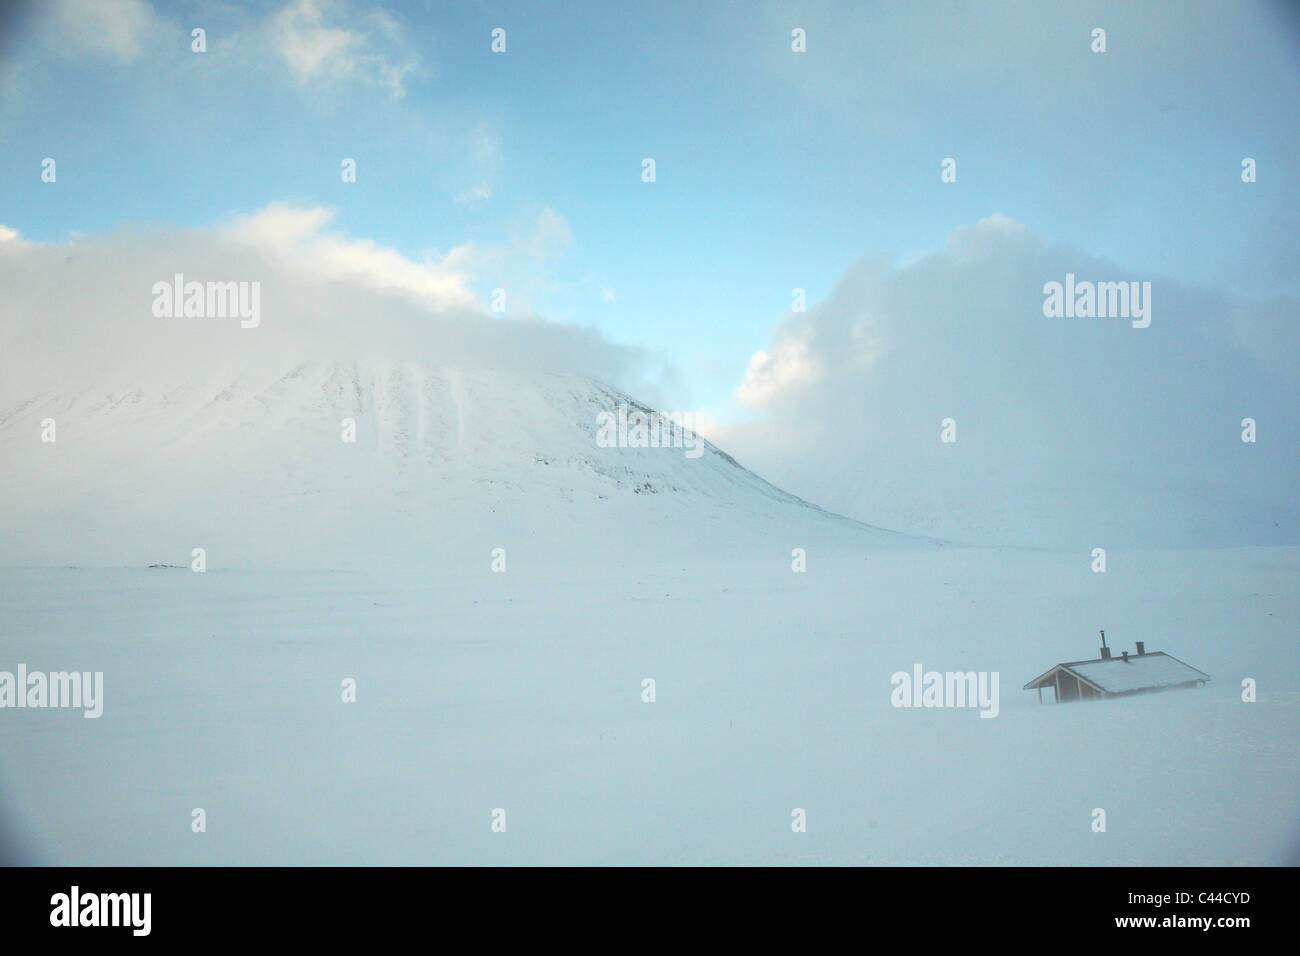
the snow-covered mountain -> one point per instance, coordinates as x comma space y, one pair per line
368, 564
447, 464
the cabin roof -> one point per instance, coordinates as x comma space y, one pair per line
1120, 675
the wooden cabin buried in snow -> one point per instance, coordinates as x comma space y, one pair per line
1108, 676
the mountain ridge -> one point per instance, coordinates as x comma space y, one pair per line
455, 453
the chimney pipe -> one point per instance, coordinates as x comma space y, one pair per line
1124, 654
1105, 651
1142, 648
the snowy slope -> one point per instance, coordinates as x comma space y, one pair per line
446, 460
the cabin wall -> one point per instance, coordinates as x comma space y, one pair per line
1069, 687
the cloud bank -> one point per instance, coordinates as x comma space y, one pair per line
1082, 430
79, 314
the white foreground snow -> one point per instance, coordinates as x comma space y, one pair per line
522, 691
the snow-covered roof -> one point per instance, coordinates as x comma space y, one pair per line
1137, 672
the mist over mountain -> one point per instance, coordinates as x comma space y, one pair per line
356, 420
1076, 432
1066, 431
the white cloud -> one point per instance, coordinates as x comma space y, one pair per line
519, 264
304, 239
482, 153
706, 425
473, 194
484, 143
330, 40
297, 237
789, 365
80, 311
11, 241
1068, 429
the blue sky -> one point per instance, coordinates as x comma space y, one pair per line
775, 169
